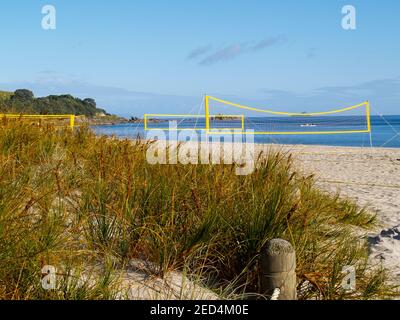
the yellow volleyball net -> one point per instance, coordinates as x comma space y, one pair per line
353, 119
57, 120
221, 116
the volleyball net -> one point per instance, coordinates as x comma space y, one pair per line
353, 119
67, 120
225, 116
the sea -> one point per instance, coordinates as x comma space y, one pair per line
385, 131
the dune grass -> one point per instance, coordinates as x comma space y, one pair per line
77, 201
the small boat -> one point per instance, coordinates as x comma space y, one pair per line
308, 125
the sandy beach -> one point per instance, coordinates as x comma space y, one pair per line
371, 176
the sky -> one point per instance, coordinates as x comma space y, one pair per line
136, 56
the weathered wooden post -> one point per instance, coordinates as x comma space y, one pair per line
278, 269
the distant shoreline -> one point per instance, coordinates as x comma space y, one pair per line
290, 146
397, 149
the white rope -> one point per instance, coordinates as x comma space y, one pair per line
199, 109
389, 124
276, 294
190, 112
391, 139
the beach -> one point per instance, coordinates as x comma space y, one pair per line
156, 225
371, 177
368, 176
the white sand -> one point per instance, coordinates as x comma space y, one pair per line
371, 176
138, 284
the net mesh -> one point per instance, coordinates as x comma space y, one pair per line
221, 115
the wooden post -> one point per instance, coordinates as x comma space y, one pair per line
278, 269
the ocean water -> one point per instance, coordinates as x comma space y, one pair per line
385, 130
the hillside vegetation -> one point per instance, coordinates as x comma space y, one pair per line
4, 95
74, 200
23, 101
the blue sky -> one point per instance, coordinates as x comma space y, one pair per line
137, 56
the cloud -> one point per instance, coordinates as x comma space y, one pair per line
231, 51
224, 54
389, 88
269, 42
198, 52
384, 95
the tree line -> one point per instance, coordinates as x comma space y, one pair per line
24, 101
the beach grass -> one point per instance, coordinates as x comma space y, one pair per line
88, 205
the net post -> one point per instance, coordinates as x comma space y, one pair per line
207, 107
369, 123
368, 116
72, 121
145, 122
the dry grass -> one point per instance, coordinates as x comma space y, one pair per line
74, 200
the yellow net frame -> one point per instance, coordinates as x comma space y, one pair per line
147, 118
208, 117
71, 117
365, 105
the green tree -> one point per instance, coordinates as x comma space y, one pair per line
23, 95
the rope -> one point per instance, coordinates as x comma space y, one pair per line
199, 110
287, 113
364, 104
275, 295
390, 125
